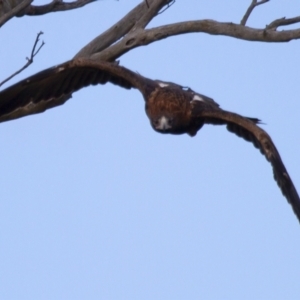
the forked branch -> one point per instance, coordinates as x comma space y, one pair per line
143, 37
138, 17
248, 12
282, 22
35, 50
120, 39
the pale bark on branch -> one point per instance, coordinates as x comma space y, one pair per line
13, 11
139, 17
19, 8
283, 22
251, 7
120, 39
144, 37
54, 6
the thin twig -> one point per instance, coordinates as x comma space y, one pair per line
282, 22
253, 4
34, 52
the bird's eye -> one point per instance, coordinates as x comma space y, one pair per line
156, 123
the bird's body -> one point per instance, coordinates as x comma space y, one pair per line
168, 110
171, 108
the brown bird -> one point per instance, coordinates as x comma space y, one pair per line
171, 108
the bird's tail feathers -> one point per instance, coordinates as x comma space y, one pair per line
255, 120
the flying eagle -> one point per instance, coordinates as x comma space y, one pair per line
171, 108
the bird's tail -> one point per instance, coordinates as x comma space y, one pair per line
255, 120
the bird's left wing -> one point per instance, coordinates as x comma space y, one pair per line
247, 129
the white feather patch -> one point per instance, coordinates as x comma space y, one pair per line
163, 123
161, 84
197, 98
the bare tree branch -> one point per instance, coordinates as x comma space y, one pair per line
253, 4
152, 11
34, 52
114, 33
282, 22
55, 6
14, 11
168, 6
122, 27
130, 33
144, 37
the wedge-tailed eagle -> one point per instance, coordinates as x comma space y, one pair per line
170, 107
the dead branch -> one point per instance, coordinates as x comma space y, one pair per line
130, 33
168, 6
282, 22
14, 11
34, 52
248, 12
133, 19
152, 12
143, 37
54, 6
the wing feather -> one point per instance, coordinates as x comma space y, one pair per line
247, 129
39, 92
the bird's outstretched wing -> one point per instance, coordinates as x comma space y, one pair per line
45, 90
247, 129
39, 92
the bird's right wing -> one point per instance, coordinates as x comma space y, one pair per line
43, 90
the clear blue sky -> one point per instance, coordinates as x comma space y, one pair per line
96, 205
